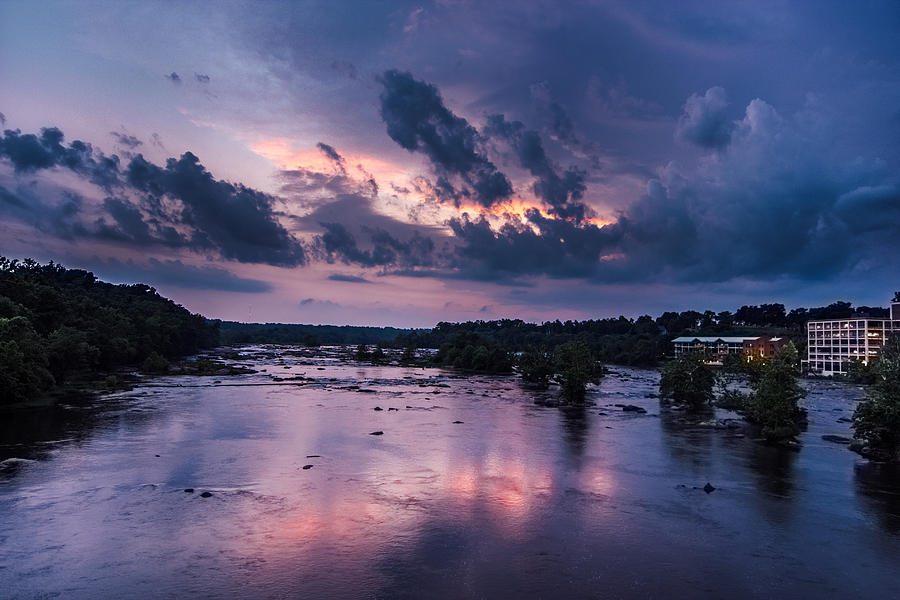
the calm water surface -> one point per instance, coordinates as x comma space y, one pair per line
518, 500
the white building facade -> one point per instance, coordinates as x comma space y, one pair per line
832, 344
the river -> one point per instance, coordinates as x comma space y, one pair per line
472, 491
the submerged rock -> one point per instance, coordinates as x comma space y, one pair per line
633, 408
377, 433
457, 422
206, 494
836, 439
307, 467
709, 488
189, 490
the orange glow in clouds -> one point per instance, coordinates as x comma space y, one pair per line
284, 155
281, 152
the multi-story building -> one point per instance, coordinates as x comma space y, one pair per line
716, 348
833, 343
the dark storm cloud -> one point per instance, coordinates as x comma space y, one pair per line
59, 219
201, 78
558, 248
29, 153
562, 192
239, 221
173, 77
704, 121
176, 273
331, 153
124, 139
347, 278
417, 119
776, 201
338, 243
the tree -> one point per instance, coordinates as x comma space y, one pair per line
876, 420
362, 352
774, 403
688, 380
536, 365
23, 362
576, 367
409, 355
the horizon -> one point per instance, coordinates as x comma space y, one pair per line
371, 166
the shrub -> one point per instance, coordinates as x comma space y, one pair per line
774, 401
688, 381
576, 367
155, 363
536, 365
876, 420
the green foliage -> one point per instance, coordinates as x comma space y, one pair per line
876, 420
774, 401
688, 381
377, 355
409, 355
23, 362
68, 323
155, 363
536, 365
472, 352
575, 367
233, 333
862, 372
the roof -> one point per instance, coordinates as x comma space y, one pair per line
708, 339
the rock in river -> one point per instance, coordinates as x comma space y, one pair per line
837, 439
377, 433
633, 408
709, 488
206, 494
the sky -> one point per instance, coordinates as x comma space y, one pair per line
404, 163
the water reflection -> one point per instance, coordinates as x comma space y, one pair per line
879, 486
576, 426
687, 441
471, 491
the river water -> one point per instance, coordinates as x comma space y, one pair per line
472, 491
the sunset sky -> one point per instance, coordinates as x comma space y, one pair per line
405, 163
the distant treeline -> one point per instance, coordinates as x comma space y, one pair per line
232, 332
642, 341
59, 324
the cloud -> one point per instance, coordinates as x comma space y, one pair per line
201, 78
562, 192
173, 77
176, 273
778, 201
29, 153
319, 303
124, 139
2, 119
417, 119
338, 243
347, 278
239, 221
704, 121
331, 153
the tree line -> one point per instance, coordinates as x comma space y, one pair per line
58, 325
